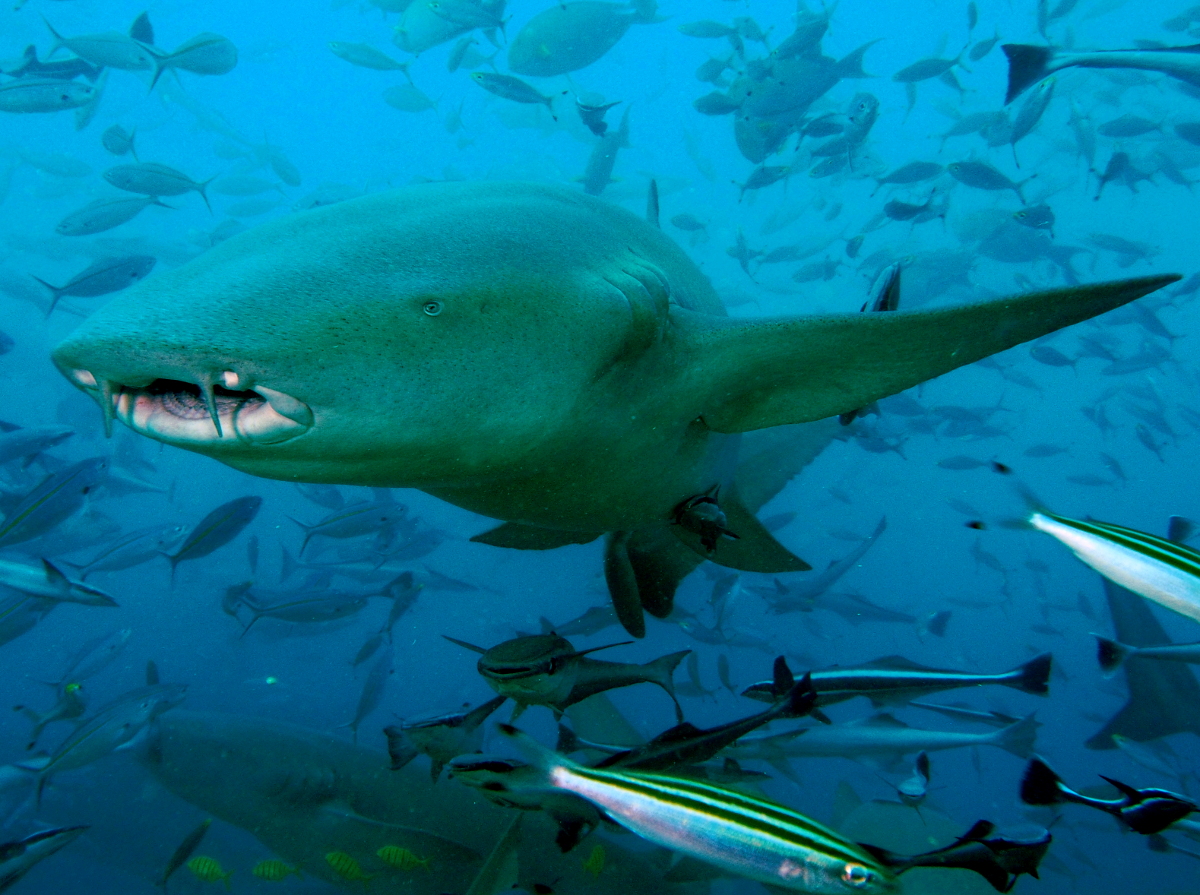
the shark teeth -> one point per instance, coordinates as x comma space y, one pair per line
221, 409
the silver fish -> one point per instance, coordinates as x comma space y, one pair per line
19, 857
46, 582
44, 96
153, 179
204, 54
372, 691
104, 214
216, 529
135, 548
103, 277
108, 49
27, 444
58, 497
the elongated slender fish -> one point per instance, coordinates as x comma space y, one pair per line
1156, 568
18, 858
757, 839
46, 582
895, 680
1145, 811
545, 669
881, 735
1029, 64
184, 851
441, 738
1113, 655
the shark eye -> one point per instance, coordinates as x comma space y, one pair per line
432, 308
856, 875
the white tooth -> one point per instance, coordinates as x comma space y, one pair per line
229, 379
287, 406
84, 378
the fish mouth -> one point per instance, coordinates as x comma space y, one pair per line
230, 410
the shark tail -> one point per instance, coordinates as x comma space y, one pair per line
1027, 64
1018, 738
1035, 675
1040, 785
1111, 654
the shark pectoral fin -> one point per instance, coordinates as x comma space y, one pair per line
753, 550
753, 374
622, 583
516, 536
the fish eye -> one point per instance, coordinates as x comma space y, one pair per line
856, 875
432, 308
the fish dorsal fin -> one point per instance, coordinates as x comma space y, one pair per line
885, 719
757, 373
55, 576
678, 733
584, 652
1180, 529
897, 663
1124, 788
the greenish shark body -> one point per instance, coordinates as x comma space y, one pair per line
519, 350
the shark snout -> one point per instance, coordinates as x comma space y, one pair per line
183, 402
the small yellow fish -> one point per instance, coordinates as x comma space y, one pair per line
346, 867
274, 870
595, 861
209, 870
401, 858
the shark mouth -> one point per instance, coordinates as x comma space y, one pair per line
187, 413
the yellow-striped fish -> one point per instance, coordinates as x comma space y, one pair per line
209, 870
764, 841
346, 867
1156, 568
273, 870
595, 861
401, 858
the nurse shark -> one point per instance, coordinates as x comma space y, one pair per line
523, 351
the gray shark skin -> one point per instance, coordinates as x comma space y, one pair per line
517, 349
304, 793
1164, 697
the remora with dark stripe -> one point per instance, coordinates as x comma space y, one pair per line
1156, 568
895, 680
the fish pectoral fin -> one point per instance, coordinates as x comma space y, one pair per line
518, 536
754, 549
752, 374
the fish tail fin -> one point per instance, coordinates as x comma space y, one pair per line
202, 187
663, 671
1035, 675
1111, 654
568, 740
801, 699
288, 564
55, 294
850, 66
545, 760
1040, 785
922, 764
1027, 65
59, 41
1019, 737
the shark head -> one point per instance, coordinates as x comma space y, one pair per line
358, 342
